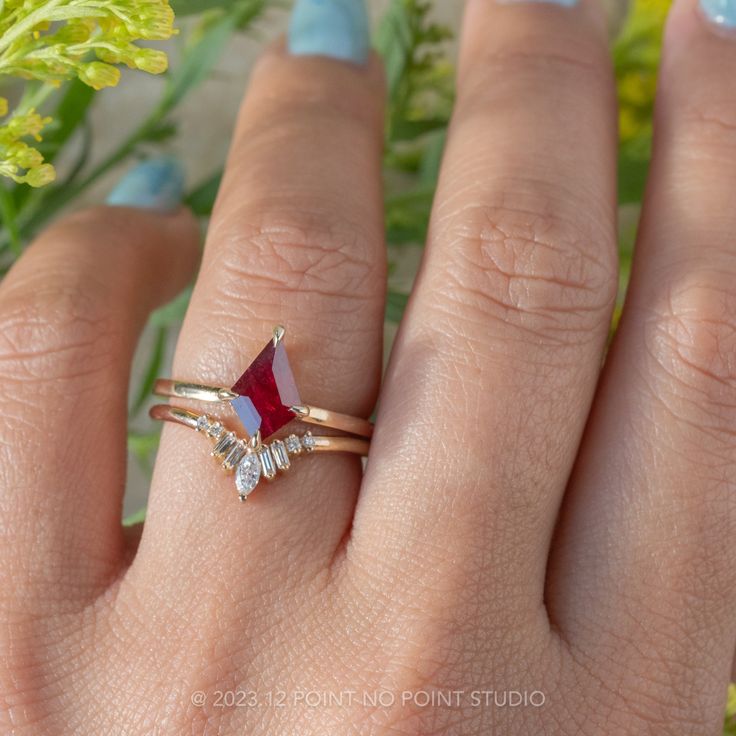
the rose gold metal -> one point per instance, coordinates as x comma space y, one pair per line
309, 414
167, 413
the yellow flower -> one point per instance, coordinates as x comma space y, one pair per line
19, 161
53, 41
636, 54
99, 75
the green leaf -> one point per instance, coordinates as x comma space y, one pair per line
429, 170
153, 370
144, 446
394, 41
67, 117
173, 313
160, 133
632, 178
201, 200
395, 306
195, 7
410, 130
198, 61
203, 54
137, 518
8, 219
407, 216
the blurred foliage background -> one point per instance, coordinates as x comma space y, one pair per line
417, 55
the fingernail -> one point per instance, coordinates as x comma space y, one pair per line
156, 184
720, 12
339, 29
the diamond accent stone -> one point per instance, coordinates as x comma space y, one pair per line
267, 463
293, 445
278, 450
216, 430
247, 475
234, 456
203, 423
308, 442
224, 445
269, 384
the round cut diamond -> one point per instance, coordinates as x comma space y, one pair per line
308, 442
293, 445
216, 430
248, 474
203, 423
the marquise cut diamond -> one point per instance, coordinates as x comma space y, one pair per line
247, 475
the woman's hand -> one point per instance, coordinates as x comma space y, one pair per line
524, 523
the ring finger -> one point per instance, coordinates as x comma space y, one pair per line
296, 239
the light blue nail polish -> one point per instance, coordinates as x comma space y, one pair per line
720, 12
157, 184
339, 29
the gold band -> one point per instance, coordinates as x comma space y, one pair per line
167, 413
309, 414
251, 459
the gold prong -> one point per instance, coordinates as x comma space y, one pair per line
224, 394
254, 443
301, 411
278, 334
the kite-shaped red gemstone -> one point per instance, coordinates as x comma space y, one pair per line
267, 391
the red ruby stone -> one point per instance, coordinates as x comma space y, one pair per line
269, 384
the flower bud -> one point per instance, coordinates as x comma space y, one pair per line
99, 75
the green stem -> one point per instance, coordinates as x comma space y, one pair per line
28, 24
9, 220
34, 97
46, 207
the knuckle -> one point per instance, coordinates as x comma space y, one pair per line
539, 273
707, 126
310, 253
691, 338
53, 329
290, 93
547, 55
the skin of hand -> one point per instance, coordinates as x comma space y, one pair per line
527, 522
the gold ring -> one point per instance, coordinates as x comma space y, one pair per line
250, 459
265, 397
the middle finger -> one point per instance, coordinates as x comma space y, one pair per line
498, 356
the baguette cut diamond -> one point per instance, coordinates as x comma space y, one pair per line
234, 456
270, 386
268, 466
278, 450
247, 475
224, 445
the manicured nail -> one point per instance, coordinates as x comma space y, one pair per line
720, 12
157, 184
339, 29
